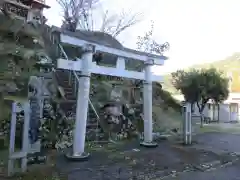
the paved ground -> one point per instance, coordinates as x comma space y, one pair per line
217, 142
130, 161
228, 173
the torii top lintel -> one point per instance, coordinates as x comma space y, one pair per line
105, 43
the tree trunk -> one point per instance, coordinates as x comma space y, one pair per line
200, 109
202, 118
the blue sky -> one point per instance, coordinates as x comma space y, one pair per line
198, 31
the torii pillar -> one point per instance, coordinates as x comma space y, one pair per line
78, 152
147, 106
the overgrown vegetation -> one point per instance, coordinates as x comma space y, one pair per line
21, 49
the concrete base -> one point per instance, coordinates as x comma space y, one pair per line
193, 142
148, 144
80, 157
112, 141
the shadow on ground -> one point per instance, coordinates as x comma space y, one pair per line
130, 161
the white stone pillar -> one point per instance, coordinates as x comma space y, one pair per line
238, 107
187, 124
82, 104
147, 106
211, 110
25, 143
228, 110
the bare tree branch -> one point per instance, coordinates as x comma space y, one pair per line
126, 22
115, 24
76, 13
147, 44
107, 22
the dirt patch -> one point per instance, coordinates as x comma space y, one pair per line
138, 163
46, 171
127, 160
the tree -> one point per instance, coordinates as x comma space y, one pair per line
115, 24
146, 43
78, 14
200, 86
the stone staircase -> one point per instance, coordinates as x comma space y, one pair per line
69, 102
68, 105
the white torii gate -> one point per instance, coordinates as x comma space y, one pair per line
86, 66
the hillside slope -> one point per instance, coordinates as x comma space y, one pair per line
229, 66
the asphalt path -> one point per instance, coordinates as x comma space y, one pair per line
216, 142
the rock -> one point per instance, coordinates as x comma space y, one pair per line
159, 136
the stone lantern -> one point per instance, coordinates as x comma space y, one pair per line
113, 118
113, 110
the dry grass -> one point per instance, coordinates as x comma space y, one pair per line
222, 127
166, 120
35, 172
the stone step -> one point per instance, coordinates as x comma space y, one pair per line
70, 97
68, 92
95, 130
92, 115
68, 106
93, 125
68, 88
66, 82
64, 75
